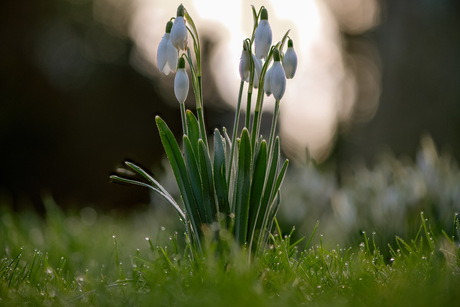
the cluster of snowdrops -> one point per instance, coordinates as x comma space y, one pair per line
233, 187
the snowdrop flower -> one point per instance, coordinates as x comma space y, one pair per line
290, 60
179, 31
167, 53
263, 36
245, 65
267, 88
275, 78
181, 82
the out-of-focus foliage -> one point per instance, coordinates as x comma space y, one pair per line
386, 198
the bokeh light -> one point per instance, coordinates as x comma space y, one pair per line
324, 92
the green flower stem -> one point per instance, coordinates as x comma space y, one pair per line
197, 79
235, 131
257, 117
248, 108
273, 127
200, 112
252, 69
197, 89
260, 100
250, 89
184, 122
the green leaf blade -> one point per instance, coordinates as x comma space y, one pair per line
242, 187
195, 179
258, 182
193, 130
180, 172
209, 198
219, 173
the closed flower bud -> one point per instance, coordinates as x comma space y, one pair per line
277, 77
179, 30
181, 82
263, 36
290, 60
167, 53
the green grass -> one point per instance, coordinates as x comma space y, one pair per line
74, 259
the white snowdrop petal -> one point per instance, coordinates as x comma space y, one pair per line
172, 56
181, 85
179, 33
263, 39
277, 80
244, 66
162, 53
267, 88
290, 63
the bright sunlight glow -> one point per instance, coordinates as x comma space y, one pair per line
323, 92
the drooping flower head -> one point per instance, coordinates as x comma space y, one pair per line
275, 78
181, 82
167, 53
267, 88
245, 64
179, 30
290, 60
263, 36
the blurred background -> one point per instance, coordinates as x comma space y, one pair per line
79, 89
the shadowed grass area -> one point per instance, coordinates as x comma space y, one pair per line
97, 260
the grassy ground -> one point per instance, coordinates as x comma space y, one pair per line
98, 260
